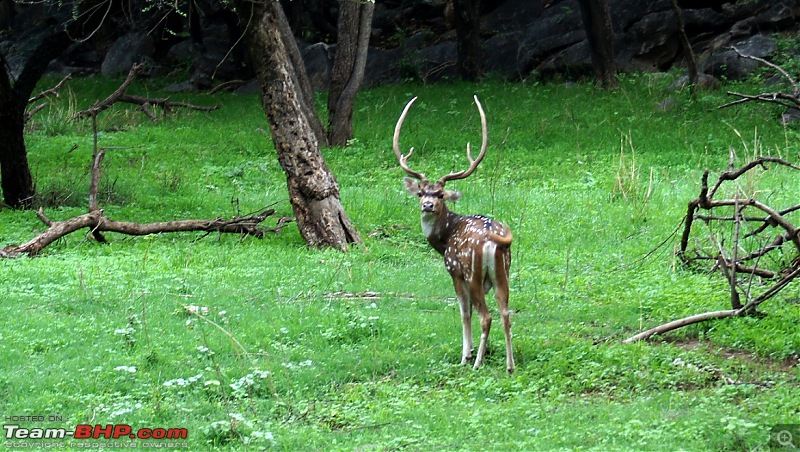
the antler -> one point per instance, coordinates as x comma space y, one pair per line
472, 163
396, 145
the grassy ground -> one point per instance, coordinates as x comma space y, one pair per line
321, 350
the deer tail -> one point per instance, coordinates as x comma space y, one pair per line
503, 241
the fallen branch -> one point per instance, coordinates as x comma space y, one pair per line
749, 308
144, 103
230, 85
675, 324
97, 221
754, 245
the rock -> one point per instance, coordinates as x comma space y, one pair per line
704, 81
183, 52
666, 104
520, 37
318, 59
792, 115
726, 63
127, 50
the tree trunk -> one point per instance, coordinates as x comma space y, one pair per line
34, 49
352, 44
300, 77
15, 174
691, 61
313, 191
467, 21
600, 36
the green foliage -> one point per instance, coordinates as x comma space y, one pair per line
788, 56
253, 344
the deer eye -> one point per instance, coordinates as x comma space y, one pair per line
440, 195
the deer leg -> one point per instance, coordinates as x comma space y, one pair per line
501, 294
466, 320
479, 301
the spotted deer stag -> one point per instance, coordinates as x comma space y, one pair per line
476, 249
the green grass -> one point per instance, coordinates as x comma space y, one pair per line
305, 349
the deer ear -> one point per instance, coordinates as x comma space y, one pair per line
412, 185
452, 195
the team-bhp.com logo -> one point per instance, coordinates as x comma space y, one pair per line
86, 431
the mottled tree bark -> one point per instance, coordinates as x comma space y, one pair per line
600, 35
300, 76
467, 21
313, 191
352, 43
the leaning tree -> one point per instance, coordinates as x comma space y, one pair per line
313, 190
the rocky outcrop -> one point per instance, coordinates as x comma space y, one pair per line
522, 39
542, 38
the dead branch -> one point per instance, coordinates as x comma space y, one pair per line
97, 221
94, 183
144, 103
46, 93
680, 323
746, 309
789, 100
51, 91
733, 175
112, 98
166, 105
230, 85
780, 70
731, 263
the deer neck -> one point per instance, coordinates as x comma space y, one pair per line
437, 228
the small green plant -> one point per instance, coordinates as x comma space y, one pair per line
788, 56
628, 185
57, 119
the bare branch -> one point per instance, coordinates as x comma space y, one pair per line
109, 101
680, 323
772, 65
732, 267
52, 91
144, 103
787, 100
732, 175
97, 221
48, 92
